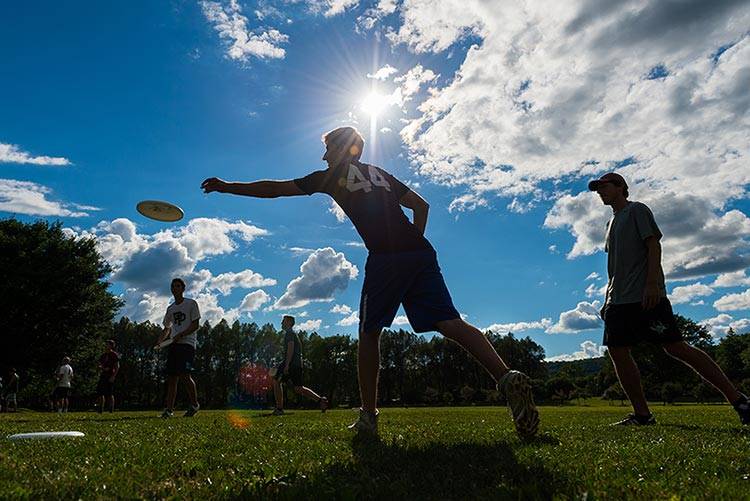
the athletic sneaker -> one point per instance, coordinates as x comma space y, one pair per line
367, 423
742, 406
167, 414
278, 412
323, 404
517, 389
192, 410
636, 420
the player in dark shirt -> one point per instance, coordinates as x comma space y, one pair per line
109, 365
401, 268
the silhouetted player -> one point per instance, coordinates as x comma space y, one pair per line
402, 268
636, 308
109, 365
290, 370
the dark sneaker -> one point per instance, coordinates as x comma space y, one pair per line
636, 420
742, 406
517, 389
367, 424
167, 414
323, 404
192, 411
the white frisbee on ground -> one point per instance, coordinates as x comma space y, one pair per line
159, 210
45, 434
272, 371
164, 343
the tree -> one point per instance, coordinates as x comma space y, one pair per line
670, 392
55, 303
614, 392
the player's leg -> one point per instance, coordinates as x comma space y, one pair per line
100, 403
311, 395
476, 343
368, 368
111, 402
278, 395
192, 392
630, 378
171, 393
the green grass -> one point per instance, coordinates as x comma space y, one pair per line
437, 453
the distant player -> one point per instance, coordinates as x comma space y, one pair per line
109, 365
290, 369
181, 322
636, 308
64, 377
11, 391
401, 269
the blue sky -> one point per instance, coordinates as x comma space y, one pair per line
498, 124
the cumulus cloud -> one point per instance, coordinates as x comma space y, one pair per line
308, 325
593, 291
593, 276
719, 325
687, 293
370, 18
253, 301
25, 197
555, 93
400, 320
228, 20
544, 323
585, 316
330, 8
323, 273
13, 154
589, 349
733, 302
733, 279
341, 309
383, 73
337, 212
349, 320
246, 279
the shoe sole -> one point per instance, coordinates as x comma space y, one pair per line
518, 390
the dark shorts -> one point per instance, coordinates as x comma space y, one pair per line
294, 376
628, 325
104, 387
60, 392
409, 278
180, 359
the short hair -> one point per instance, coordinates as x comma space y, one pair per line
179, 281
66, 360
289, 317
346, 138
111, 342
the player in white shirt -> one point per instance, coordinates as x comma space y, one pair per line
180, 324
64, 377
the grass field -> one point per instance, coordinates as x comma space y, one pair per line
436, 453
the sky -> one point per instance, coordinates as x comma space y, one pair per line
497, 113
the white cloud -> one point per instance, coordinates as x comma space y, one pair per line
593, 291
585, 316
401, 320
349, 320
330, 8
308, 325
25, 197
589, 349
323, 274
593, 276
370, 18
732, 279
11, 153
733, 302
413, 80
246, 279
341, 309
544, 323
686, 293
253, 301
337, 212
554, 92
228, 20
719, 325
383, 73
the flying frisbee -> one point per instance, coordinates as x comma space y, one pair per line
45, 434
161, 211
164, 343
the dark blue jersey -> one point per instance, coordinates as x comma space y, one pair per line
370, 197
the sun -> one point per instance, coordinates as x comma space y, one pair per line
374, 103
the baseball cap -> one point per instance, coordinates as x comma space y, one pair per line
609, 177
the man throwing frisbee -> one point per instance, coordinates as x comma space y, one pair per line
181, 322
636, 308
401, 269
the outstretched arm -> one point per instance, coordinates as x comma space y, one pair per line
419, 206
258, 189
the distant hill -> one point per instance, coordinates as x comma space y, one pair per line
587, 366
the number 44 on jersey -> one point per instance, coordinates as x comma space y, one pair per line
355, 180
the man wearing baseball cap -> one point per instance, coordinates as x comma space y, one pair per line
636, 308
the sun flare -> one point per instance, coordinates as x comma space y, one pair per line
374, 103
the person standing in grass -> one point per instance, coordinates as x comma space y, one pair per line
636, 308
109, 365
290, 370
64, 377
181, 322
11, 391
402, 269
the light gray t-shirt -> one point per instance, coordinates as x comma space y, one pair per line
627, 254
179, 317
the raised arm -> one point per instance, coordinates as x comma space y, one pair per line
258, 189
419, 206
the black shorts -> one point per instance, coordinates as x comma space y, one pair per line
61, 392
294, 375
180, 359
628, 324
105, 387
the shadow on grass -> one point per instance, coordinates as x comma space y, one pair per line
431, 471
